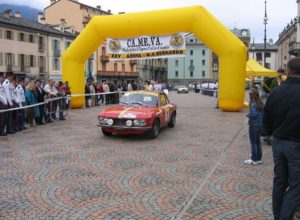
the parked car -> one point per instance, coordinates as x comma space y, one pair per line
182, 89
138, 112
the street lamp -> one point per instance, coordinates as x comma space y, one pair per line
265, 38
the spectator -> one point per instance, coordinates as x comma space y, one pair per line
30, 98
106, 90
3, 106
87, 94
255, 126
40, 97
51, 92
282, 120
20, 93
67, 91
92, 92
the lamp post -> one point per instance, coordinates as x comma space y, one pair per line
265, 38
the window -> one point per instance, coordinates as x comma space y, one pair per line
32, 61
115, 67
203, 62
67, 44
191, 74
1, 59
55, 45
191, 52
123, 67
191, 62
0, 33
163, 100
9, 35
21, 37
203, 73
103, 51
176, 62
31, 38
258, 56
191, 40
176, 73
203, 52
55, 64
268, 65
268, 54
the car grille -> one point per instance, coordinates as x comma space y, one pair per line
118, 121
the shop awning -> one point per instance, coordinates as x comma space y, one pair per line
254, 69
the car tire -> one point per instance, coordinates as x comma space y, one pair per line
173, 120
153, 133
106, 133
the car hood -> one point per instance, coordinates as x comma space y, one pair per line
125, 111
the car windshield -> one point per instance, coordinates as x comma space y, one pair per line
182, 87
139, 99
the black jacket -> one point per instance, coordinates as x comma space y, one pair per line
282, 111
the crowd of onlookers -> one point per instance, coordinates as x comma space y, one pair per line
46, 98
94, 90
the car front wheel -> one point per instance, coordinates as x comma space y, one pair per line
153, 133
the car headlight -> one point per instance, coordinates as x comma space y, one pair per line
139, 122
129, 123
103, 120
110, 122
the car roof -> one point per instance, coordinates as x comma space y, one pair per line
145, 92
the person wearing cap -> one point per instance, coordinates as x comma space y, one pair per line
20, 93
3, 106
7, 91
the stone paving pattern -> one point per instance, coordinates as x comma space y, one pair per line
69, 170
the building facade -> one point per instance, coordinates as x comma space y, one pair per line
25, 46
257, 52
193, 68
79, 15
153, 69
289, 41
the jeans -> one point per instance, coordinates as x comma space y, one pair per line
254, 135
286, 182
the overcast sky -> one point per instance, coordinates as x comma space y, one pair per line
232, 13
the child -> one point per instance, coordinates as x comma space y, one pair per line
255, 127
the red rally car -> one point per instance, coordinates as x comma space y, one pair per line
139, 112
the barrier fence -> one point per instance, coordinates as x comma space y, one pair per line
67, 100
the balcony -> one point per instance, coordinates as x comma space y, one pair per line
294, 48
104, 58
117, 74
42, 47
145, 67
133, 62
191, 68
56, 53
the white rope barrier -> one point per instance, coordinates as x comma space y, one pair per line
47, 101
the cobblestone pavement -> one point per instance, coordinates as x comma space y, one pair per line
69, 170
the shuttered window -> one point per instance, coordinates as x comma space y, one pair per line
1, 59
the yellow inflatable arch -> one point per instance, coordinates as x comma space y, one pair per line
196, 19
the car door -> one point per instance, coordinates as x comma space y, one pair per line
165, 109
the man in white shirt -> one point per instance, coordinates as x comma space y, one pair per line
8, 90
3, 106
20, 93
52, 92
